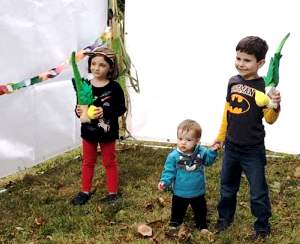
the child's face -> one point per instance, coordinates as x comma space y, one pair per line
99, 67
247, 65
186, 141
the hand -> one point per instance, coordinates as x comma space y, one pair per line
78, 110
98, 113
275, 97
216, 145
161, 186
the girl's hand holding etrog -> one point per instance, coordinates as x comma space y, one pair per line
95, 112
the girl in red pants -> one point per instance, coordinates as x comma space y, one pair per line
103, 128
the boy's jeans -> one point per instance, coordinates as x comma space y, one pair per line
251, 160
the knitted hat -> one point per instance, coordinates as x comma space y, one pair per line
103, 51
108, 53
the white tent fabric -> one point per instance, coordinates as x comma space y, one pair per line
184, 52
38, 122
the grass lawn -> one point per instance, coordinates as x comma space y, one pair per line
36, 207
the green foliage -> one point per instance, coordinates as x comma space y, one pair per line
36, 208
126, 67
85, 95
121, 5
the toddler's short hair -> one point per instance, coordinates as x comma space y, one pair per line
190, 125
253, 45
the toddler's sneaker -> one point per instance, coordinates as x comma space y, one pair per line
81, 198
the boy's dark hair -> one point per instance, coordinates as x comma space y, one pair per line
253, 45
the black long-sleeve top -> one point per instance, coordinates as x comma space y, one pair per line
111, 99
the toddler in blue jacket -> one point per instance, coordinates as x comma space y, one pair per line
184, 173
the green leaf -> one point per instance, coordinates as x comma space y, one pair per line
272, 78
84, 90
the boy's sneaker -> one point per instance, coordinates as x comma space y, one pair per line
222, 225
260, 235
81, 198
201, 226
173, 224
172, 230
110, 198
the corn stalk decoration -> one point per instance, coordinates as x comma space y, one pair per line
117, 44
114, 39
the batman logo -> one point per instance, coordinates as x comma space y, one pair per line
238, 104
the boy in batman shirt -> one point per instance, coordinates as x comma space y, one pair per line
242, 132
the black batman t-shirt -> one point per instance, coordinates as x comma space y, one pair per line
244, 117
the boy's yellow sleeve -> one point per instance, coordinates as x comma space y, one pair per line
270, 115
223, 129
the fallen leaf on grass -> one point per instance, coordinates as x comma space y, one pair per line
156, 221
297, 172
161, 202
155, 238
99, 209
184, 233
275, 187
50, 238
39, 221
149, 206
3, 191
124, 227
209, 235
19, 228
144, 230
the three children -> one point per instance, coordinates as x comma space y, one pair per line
242, 134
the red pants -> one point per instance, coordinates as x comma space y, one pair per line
109, 161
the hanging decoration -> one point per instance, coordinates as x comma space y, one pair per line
113, 37
12, 87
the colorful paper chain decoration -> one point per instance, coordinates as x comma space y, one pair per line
12, 87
